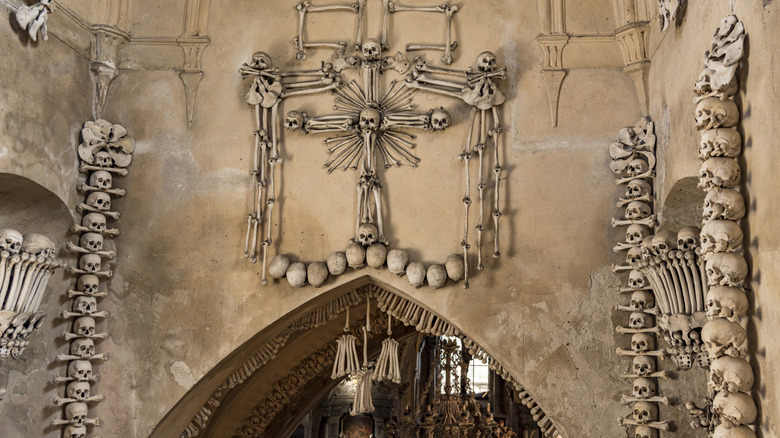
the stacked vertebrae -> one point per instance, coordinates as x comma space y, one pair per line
731, 377
26, 264
105, 152
633, 160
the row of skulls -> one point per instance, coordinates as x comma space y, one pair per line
105, 152
725, 339
633, 161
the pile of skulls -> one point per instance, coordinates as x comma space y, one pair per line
364, 251
633, 160
26, 264
105, 152
724, 337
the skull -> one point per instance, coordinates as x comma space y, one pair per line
11, 240
726, 269
636, 279
486, 62
645, 412
72, 431
637, 167
721, 236
641, 300
278, 266
88, 284
440, 119
636, 233
724, 204
719, 172
94, 221
396, 262
720, 143
726, 302
337, 263
293, 121
712, 112
84, 326
637, 188
38, 244
734, 407
646, 248
78, 390
642, 343
367, 234
317, 273
639, 320
80, 370
372, 50
296, 275
645, 432
634, 255
455, 267
92, 242
723, 431
369, 119
688, 238
415, 273
82, 347
90, 263
436, 276
84, 305
376, 254
76, 413
101, 179
723, 337
731, 374
643, 365
262, 61
356, 255
103, 159
637, 210
663, 242
644, 388
99, 200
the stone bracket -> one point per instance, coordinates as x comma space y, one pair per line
552, 70
107, 41
191, 72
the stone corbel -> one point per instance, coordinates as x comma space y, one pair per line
633, 43
107, 41
553, 71
191, 72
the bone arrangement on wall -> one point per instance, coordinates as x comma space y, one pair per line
105, 153
370, 134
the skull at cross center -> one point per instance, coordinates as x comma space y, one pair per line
370, 119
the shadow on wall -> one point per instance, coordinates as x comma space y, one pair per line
683, 206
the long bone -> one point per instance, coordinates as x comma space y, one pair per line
677, 278
395, 7
81, 208
70, 357
655, 375
631, 331
84, 168
658, 353
88, 188
465, 156
426, 80
377, 189
649, 174
271, 195
34, 274
329, 123
68, 336
78, 293
622, 202
660, 292
34, 299
420, 121
60, 401
72, 247
76, 228
480, 147
664, 282
87, 421
495, 133
649, 221
686, 280
446, 48
662, 425
450, 45
99, 314
387, 157
16, 279
621, 268
106, 274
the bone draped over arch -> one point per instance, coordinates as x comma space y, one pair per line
253, 357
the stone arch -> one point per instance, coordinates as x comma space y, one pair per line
243, 395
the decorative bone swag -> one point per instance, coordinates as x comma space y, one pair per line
370, 133
105, 152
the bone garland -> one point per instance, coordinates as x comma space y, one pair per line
387, 367
724, 337
33, 18
105, 152
346, 359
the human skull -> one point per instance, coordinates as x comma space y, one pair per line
72, 431
296, 275
645, 412
99, 200
80, 370
688, 238
367, 234
415, 273
637, 188
636, 279
644, 388
641, 300
735, 407
84, 305
726, 302
103, 159
376, 254
92, 242
278, 266
436, 276
356, 255
396, 262
262, 61
634, 255
719, 172
636, 233
94, 221
724, 204
455, 267
78, 390
101, 179
337, 263
440, 119
293, 121
369, 119
640, 320
486, 61
731, 374
88, 284
712, 112
646, 247
720, 142
663, 242
721, 236
372, 50
638, 210
723, 431
76, 413
11, 240
38, 244
642, 343
726, 269
90, 263
82, 347
643, 365
723, 337
645, 432
637, 167
84, 326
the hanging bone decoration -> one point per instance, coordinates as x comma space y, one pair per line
363, 403
346, 362
369, 133
33, 18
105, 152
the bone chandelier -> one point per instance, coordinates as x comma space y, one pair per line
371, 132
